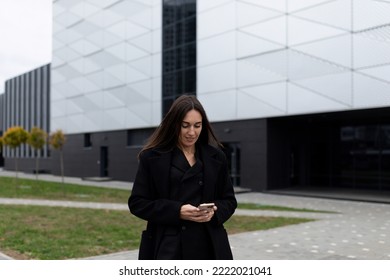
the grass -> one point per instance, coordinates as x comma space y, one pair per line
254, 206
37, 232
28, 188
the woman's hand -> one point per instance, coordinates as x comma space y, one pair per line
191, 213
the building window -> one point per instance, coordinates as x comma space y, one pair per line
87, 140
179, 50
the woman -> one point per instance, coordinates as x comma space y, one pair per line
181, 167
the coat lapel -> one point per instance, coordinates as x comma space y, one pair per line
160, 166
211, 167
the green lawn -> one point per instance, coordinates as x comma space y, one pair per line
38, 232
28, 188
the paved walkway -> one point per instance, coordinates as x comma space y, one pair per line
359, 230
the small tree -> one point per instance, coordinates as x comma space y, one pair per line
37, 140
57, 141
13, 138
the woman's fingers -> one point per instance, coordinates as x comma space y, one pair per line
192, 213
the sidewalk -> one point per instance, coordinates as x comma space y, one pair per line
359, 230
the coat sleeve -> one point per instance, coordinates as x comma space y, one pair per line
144, 201
225, 199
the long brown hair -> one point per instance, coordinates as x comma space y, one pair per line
166, 135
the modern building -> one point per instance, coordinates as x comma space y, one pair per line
1, 128
298, 91
26, 103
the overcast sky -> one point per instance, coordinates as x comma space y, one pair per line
25, 36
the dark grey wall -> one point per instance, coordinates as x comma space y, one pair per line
80, 161
28, 165
123, 163
252, 136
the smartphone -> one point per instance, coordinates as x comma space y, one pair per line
205, 206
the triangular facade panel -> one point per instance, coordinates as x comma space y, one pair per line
369, 92
368, 14
369, 51
144, 42
250, 107
250, 74
304, 31
249, 13
273, 30
276, 5
336, 50
274, 95
248, 45
301, 101
379, 72
332, 13
294, 6
337, 87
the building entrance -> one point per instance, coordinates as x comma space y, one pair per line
345, 150
365, 156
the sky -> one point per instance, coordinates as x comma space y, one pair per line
25, 36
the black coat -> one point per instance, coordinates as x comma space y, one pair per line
150, 199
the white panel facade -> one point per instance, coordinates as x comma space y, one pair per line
292, 57
106, 65
263, 58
